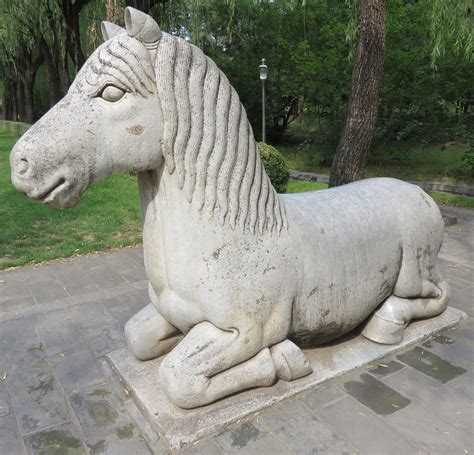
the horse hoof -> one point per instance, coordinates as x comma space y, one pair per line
382, 331
290, 361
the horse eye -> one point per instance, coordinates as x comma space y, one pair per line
112, 93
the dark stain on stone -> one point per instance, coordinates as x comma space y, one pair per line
376, 395
98, 447
268, 269
102, 414
35, 347
313, 291
125, 432
45, 385
242, 436
442, 339
100, 392
136, 130
56, 442
432, 365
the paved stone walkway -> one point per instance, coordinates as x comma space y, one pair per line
59, 396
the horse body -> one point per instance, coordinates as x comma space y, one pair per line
235, 270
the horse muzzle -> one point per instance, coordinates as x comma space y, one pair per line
45, 186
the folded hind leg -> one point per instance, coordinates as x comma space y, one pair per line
211, 363
387, 324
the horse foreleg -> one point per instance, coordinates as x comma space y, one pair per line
210, 363
387, 324
149, 335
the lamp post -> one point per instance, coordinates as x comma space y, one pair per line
263, 78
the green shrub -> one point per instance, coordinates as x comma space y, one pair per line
275, 165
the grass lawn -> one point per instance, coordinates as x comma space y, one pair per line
107, 217
31, 232
416, 163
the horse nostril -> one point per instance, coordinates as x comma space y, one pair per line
23, 166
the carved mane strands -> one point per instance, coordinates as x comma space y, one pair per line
123, 61
208, 141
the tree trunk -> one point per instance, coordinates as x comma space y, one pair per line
354, 146
71, 11
54, 94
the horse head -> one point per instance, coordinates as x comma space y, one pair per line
109, 121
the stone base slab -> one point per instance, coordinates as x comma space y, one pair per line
180, 427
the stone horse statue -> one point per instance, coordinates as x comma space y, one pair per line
236, 270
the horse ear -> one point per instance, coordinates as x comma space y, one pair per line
109, 30
141, 26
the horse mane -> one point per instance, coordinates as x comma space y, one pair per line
209, 143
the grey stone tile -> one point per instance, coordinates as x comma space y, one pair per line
463, 331
104, 277
464, 385
432, 434
36, 274
301, 430
431, 364
105, 424
250, 438
464, 300
457, 285
342, 449
77, 370
91, 261
320, 396
39, 405
17, 303
25, 367
123, 307
460, 352
16, 334
74, 279
126, 266
98, 327
136, 254
207, 447
375, 394
58, 332
63, 439
361, 428
47, 291
10, 439
384, 368
441, 399
11, 291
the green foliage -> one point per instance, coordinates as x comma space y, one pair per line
275, 165
108, 216
302, 186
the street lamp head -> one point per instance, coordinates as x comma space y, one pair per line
263, 70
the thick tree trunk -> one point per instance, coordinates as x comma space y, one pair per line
71, 11
54, 94
354, 146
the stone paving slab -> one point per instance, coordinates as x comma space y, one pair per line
181, 427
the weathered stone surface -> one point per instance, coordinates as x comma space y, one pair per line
180, 427
356, 424
236, 270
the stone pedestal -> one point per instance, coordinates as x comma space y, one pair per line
180, 427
